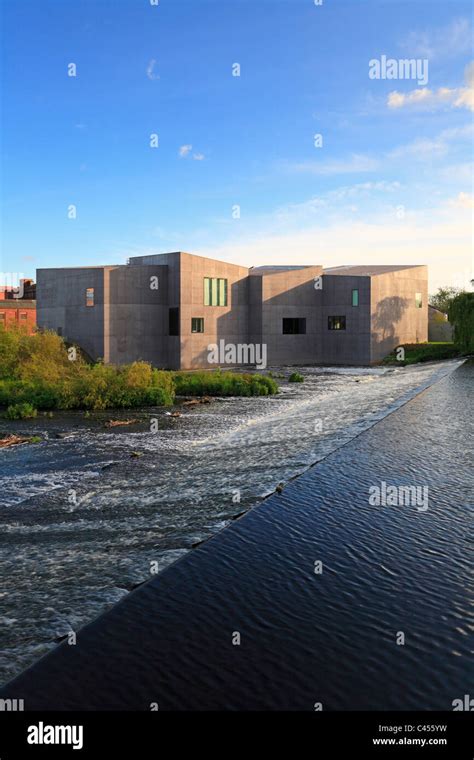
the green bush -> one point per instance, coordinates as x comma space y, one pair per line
220, 383
21, 412
423, 352
295, 377
37, 370
461, 316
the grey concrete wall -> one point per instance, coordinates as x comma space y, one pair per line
395, 319
291, 295
352, 345
136, 315
173, 262
229, 323
61, 306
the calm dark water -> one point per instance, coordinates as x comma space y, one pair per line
306, 638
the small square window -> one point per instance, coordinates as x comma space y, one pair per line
337, 323
23, 315
197, 324
418, 300
355, 297
2, 315
89, 296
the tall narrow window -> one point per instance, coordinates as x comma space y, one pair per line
173, 321
418, 300
336, 323
222, 292
207, 291
89, 296
214, 292
355, 297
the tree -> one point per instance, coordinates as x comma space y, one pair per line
461, 316
444, 297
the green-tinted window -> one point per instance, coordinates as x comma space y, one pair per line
222, 292
207, 291
418, 300
215, 291
355, 297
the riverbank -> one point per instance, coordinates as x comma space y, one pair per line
304, 599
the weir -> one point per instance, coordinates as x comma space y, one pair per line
304, 638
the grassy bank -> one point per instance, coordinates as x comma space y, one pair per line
219, 383
422, 352
39, 372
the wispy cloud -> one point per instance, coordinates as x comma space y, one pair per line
352, 165
150, 70
426, 99
446, 42
185, 152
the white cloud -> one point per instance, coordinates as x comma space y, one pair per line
454, 39
463, 200
150, 70
198, 156
185, 150
426, 99
440, 237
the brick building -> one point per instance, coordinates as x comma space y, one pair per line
18, 306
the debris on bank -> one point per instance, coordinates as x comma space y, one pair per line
15, 440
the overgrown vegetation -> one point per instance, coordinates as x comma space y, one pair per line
219, 383
443, 299
23, 411
461, 316
422, 352
295, 377
40, 372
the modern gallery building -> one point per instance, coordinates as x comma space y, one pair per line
175, 309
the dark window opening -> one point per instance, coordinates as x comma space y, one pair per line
336, 323
197, 324
173, 321
294, 326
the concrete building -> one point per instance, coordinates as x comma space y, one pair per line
169, 308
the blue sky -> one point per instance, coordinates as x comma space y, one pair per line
392, 182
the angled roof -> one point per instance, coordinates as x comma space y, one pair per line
277, 269
368, 270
